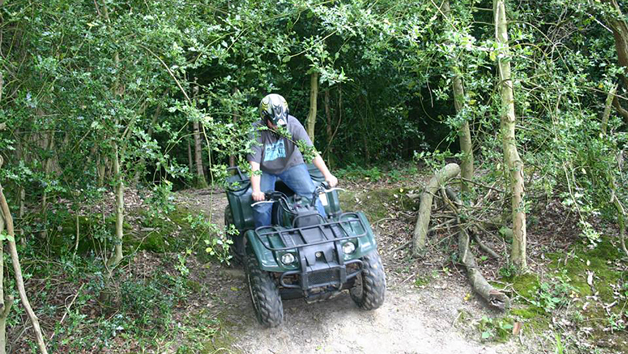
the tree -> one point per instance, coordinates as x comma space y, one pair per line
512, 160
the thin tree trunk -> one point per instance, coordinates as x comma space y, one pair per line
620, 33
464, 132
119, 209
201, 182
190, 159
47, 169
236, 119
102, 170
17, 269
328, 127
198, 156
365, 142
21, 195
607, 108
5, 304
512, 160
311, 117
21, 213
425, 209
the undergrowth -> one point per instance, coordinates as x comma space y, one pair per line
140, 306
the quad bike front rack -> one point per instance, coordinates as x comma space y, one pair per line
318, 266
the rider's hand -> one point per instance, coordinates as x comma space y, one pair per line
332, 180
258, 196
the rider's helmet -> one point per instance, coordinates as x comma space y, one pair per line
274, 108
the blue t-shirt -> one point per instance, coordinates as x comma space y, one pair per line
276, 154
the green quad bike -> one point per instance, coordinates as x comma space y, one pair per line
303, 255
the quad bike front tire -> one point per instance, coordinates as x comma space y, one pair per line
264, 294
370, 286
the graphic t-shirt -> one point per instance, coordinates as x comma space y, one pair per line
276, 154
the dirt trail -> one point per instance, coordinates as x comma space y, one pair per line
412, 320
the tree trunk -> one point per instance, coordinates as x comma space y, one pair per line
607, 108
328, 129
17, 269
311, 117
201, 182
620, 33
512, 160
190, 159
102, 170
464, 132
119, 210
364, 121
236, 119
5, 304
47, 169
425, 209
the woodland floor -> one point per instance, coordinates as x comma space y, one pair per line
429, 318
201, 306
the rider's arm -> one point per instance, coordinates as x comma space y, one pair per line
320, 164
256, 179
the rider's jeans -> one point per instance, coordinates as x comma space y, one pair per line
296, 178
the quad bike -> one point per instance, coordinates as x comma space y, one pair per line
303, 255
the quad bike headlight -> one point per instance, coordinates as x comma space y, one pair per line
348, 247
287, 258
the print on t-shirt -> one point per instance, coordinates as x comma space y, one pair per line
274, 151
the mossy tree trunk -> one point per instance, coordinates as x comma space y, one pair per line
311, 117
513, 162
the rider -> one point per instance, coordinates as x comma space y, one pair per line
279, 156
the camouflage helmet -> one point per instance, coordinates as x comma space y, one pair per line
274, 108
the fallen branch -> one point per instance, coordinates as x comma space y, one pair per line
479, 284
67, 309
423, 220
484, 247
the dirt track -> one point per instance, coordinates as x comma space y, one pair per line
412, 320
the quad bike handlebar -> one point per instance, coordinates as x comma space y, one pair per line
271, 197
274, 196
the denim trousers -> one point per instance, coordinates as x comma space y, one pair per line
296, 178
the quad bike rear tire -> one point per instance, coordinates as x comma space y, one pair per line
264, 294
369, 290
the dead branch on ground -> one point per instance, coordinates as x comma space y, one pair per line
454, 214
